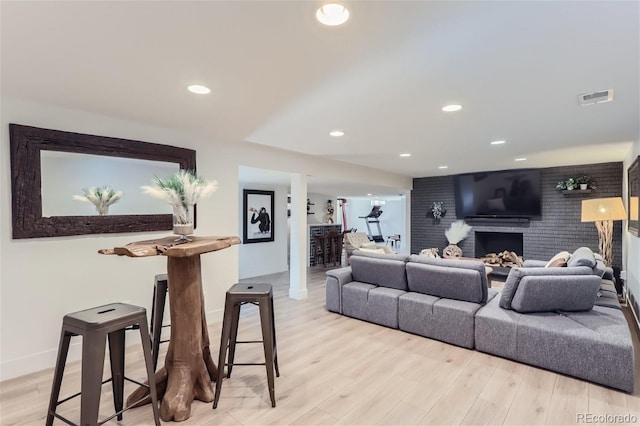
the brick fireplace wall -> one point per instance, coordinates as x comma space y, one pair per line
558, 228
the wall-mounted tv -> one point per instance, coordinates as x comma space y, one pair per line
506, 193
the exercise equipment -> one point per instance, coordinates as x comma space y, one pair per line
374, 217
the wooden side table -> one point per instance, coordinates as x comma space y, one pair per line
189, 369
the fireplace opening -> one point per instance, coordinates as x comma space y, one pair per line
496, 243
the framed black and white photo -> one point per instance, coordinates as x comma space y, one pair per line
258, 216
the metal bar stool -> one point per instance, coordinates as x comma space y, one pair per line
96, 325
160, 288
238, 295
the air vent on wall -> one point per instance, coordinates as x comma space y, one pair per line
595, 97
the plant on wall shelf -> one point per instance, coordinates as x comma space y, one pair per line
582, 182
586, 182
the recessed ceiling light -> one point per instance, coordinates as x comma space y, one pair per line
443, 167
336, 133
498, 142
406, 154
332, 14
451, 108
520, 159
368, 195
200, 90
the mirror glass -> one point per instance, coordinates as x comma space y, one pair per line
65, 174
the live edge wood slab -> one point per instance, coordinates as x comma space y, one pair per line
189, 369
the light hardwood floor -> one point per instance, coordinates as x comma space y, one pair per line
339, 370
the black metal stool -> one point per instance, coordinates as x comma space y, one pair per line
238, 295
95, 325
160, 288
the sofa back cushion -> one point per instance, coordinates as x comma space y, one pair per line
384, 270
449, 278
582, 257
549, 289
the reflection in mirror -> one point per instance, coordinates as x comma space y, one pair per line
65, 174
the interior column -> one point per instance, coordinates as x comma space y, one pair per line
299, 238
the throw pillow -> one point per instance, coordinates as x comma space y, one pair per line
369, 250
559, 259
369, 245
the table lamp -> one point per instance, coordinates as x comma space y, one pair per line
603, 211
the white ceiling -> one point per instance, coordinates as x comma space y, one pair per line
279, 78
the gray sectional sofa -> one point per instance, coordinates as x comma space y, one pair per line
563, 319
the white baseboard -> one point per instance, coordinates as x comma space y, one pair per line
298, 294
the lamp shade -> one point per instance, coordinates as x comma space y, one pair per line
603, 209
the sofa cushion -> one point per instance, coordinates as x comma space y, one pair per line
582, 257
517, 274
385, 270
559, 293
464, 280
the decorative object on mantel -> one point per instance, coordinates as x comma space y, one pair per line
431, 252
583, 183
328, 217
437, 211
182, 191
458, 231
101, 197
603, 211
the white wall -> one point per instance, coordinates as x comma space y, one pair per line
42, 279
266, 258
318, 210
631, 243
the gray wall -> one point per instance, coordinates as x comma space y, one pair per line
559, 227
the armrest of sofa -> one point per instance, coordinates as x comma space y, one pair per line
336, 278
531, 263
341, 275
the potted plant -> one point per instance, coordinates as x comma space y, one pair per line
567, 184
585, 182
458, 231
182, 191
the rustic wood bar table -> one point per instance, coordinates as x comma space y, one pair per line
189, 368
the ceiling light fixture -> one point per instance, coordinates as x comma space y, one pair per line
200, 90
451, 108
336, 133
406, 154
443, 167
498, 142
332, 14
520, 159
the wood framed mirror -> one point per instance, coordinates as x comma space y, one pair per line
633, 194
30, 145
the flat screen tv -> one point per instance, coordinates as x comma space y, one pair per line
506, 193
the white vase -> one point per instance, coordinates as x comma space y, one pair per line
183, 220
102, 210
583, 186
